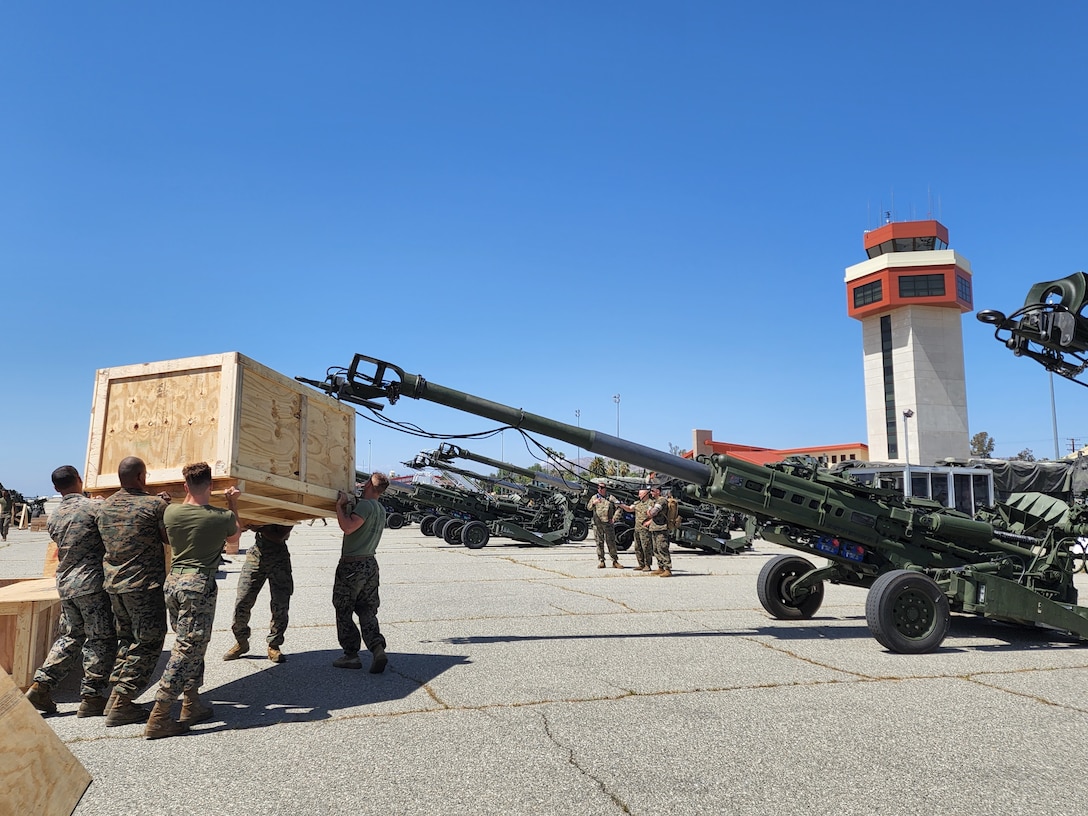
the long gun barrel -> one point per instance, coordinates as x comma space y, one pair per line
362, 388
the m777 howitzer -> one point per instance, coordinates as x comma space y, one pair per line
543, 487
472, 517
919, 560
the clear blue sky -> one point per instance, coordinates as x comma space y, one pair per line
542, 203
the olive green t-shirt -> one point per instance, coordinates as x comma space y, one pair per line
197, 534
364, 541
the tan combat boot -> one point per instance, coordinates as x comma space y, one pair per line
40, 698
93, 706
160, 725
124, 711
665, 574
193, 709
600, 565
275, 655
237, 650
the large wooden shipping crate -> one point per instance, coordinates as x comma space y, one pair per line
287, 447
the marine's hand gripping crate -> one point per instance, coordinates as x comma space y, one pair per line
287, 447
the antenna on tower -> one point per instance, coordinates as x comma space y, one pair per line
929, 202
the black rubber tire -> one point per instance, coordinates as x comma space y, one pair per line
773, 585
475, 535
426, 525
451, 531
440, 524
907, 612
624, 536
579, 530
394, 521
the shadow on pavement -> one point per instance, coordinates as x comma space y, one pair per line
308, 688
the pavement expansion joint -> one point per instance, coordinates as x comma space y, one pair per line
572, 759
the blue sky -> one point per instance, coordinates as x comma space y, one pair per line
542, 203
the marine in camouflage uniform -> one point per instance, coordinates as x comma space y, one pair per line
604, 510
643, 538
5, 513
197, 532
658, 525
267, 560
135, 569
355, 588
86, 622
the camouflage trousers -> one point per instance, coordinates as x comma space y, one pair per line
644, 546
190, 600
141, 629
257, 569
355, 592
86, 624
661, 549
605, 534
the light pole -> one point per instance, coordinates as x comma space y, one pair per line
907, 414
370, 456
616, 399
578, 419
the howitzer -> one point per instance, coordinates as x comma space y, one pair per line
471, 517
919, 560
541, 489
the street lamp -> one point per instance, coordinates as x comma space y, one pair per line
578, 419
907, 414
616, 399
370, 456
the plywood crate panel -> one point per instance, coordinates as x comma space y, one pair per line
287, 447
29, 622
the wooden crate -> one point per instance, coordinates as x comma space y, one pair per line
29, 622
288, 447
38, 774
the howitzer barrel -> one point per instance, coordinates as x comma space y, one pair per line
358, 387
592, 441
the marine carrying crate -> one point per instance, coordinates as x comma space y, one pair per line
287, 447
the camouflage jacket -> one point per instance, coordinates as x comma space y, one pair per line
603, 509
642, 510
79, 546
132, 530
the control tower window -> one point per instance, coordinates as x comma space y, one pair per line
868, 293
914, 286
963, 289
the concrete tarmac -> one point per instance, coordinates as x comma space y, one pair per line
528, 681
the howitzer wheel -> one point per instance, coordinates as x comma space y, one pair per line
451, 531
774, 588
440, 524
475, 534
907, 612
426, 525
394, 521
624, 536
579, 529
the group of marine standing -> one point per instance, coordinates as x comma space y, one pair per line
116, 591
651, 531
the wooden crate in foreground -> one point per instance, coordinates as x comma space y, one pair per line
287, 447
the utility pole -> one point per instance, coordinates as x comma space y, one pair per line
616, 399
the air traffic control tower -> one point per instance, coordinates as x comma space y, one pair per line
909, 296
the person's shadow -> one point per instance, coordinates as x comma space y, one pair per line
308, 688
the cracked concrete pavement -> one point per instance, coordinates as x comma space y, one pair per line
525, 680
